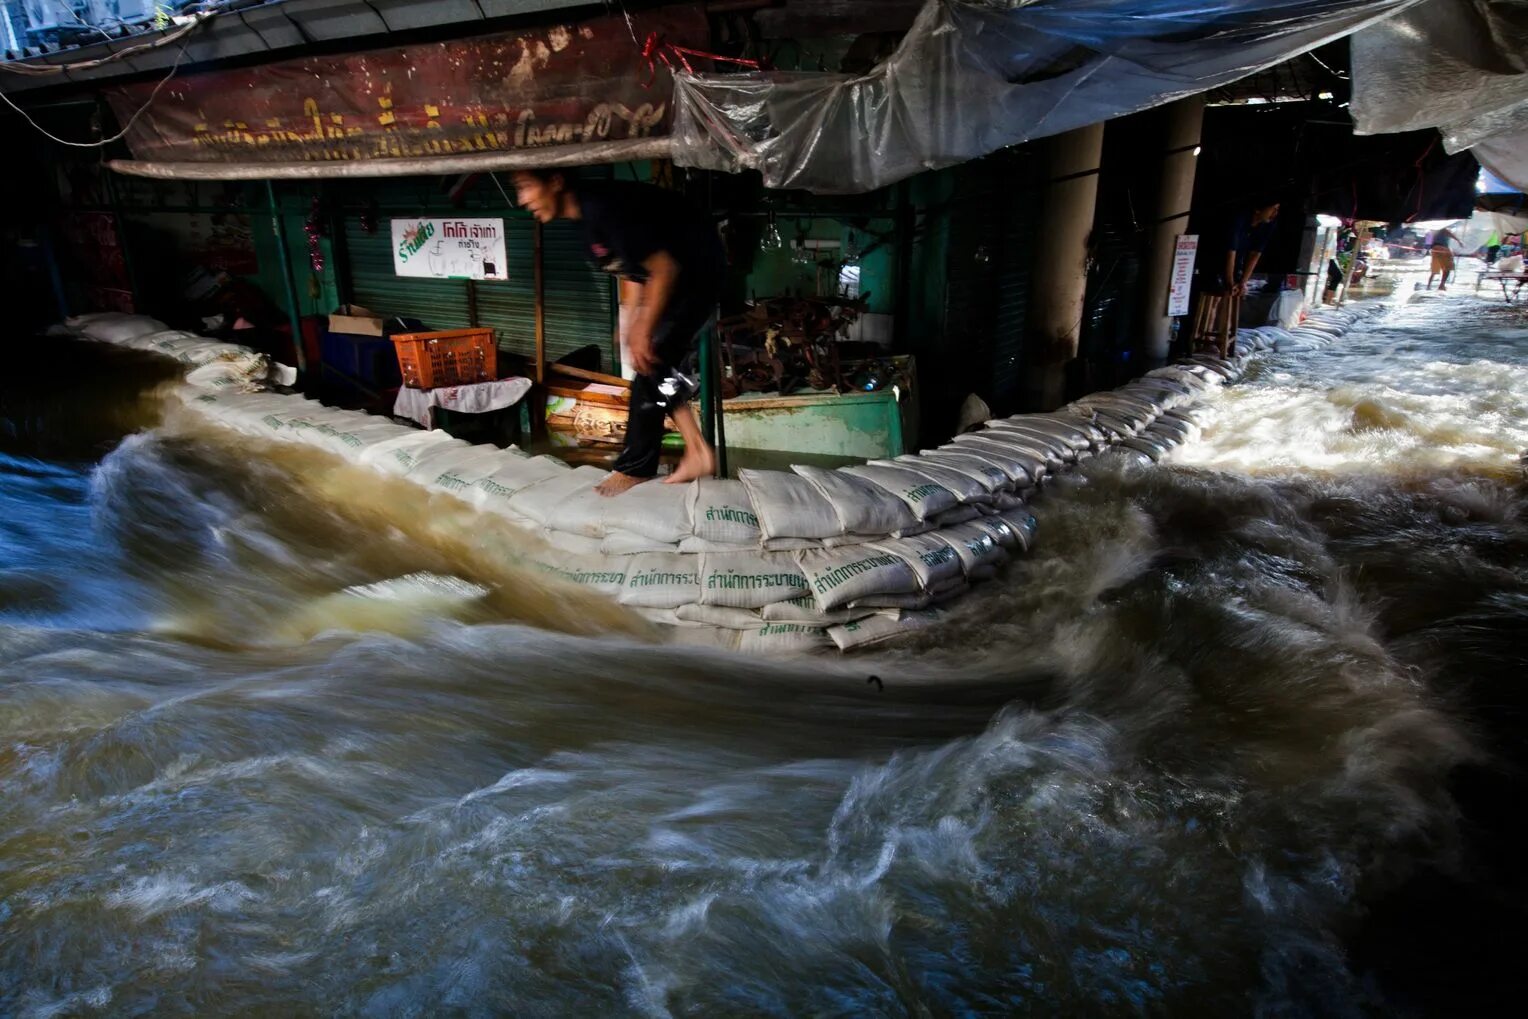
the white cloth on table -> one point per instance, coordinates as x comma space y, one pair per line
477, 398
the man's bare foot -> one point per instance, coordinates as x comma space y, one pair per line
697, 462
617, 483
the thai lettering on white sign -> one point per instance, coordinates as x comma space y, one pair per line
1183, 274
462, 249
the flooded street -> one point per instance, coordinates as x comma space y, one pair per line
1241, 736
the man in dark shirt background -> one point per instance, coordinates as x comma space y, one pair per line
1231, 254
1247, 237
649, 236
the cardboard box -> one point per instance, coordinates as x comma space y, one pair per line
355, 320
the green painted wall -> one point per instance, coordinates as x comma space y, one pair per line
774, 273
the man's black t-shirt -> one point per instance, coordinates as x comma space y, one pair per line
625, 223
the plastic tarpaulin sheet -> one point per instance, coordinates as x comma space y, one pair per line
970, 78
1458, 65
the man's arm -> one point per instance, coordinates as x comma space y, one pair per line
662, 273
1251, 268
1230, 276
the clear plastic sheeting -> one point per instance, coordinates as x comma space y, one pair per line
1458, 65
970, 78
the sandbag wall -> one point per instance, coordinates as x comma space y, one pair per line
773, 561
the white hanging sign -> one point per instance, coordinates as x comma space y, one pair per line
450, 249
1183, 274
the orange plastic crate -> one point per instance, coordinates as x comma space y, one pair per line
450, 357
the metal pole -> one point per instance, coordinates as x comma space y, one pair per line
707, 389
294, 316
721, 405
120, 222
540, 309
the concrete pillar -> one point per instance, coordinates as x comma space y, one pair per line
1060, 278
1181, 123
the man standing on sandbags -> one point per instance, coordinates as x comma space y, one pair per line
649, 236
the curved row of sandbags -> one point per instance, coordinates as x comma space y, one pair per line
771, 561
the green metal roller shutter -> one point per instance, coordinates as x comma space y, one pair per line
439, 304
1021, 216
509, 307
579, 298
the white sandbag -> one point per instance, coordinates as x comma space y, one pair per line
225, 406
789, 506
933, 562
456, 470
719, 615
784, 639
711, 638
720, 512
1053, 447
966, 488
885, 602
924, 497
986, 444
205, 352
979, 553
991, 477
973, 458
700, 546
1074, 424
1071, 436
1023, 523
653, 510
115, 327
862, 508
805, 610
514, 475
1001, 531
397, 456
1153, 451
318, 425
841, 576
240, 372
662, 580
567, 502
957, 515
619, 542
258, 414
353, 439
565, 543
605, 574
870, 630
750, 580
957, 588
1007, 500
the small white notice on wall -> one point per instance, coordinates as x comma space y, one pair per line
450, 249
1183, 273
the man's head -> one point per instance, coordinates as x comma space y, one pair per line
542, 193
1265, 208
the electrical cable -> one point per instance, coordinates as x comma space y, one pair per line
39, 70
125, 127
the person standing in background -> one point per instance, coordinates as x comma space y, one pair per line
648, 236
1442, 257
1233, 260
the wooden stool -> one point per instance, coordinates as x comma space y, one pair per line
1215, 321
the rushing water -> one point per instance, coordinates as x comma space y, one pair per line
278, 738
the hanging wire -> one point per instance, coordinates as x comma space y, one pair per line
39, 70
125, 127
508, 200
